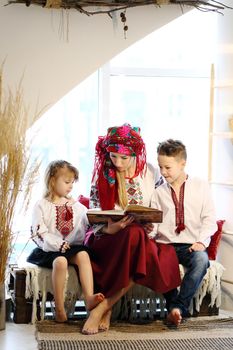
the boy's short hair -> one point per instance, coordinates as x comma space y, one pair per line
172, 148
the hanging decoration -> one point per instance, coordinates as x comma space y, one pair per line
109, 6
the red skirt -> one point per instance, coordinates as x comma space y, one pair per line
131, 254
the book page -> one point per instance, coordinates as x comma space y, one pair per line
141, 214
138, 208
105, 212
102, 216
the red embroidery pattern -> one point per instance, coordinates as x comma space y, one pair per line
179, 206
134, 192
64, 219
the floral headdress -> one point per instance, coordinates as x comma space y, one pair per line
124, 140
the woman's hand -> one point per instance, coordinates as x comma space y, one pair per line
148, 228
115, 226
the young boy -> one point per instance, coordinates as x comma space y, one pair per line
188, 222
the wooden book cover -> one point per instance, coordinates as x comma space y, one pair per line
140, 213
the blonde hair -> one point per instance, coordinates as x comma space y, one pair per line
122, 195
53, 171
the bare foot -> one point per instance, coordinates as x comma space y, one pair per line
92, 301
91, 326
60, 316
175, 316
105, 321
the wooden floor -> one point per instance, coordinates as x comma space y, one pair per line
21, 336
18, 337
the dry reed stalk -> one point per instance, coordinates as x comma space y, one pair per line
14, 165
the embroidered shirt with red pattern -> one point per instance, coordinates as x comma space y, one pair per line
64, 219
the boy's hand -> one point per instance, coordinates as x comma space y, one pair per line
197, 247
115, 226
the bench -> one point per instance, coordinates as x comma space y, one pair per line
31, 288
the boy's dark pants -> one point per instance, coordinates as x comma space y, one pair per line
195, 264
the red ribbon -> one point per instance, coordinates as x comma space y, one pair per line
68, 214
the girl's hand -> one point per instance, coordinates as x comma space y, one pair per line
148, 228
197, 246
65, 247
115, 226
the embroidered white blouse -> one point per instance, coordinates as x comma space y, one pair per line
199, 213
51, 227
139, 189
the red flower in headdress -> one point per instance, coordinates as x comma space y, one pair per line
124, 131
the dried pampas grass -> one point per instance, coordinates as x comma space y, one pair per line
16, 172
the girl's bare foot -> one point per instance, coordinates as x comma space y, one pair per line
60, 315
91, 325
175, 316
92, 301
105, 321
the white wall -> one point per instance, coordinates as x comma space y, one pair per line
52, 66
223, 148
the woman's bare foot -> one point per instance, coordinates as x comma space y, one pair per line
105, 321
60, 315
91, 326
92, 301
175, 316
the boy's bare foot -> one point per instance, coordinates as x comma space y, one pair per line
91, 325
175, 316
60, 316
105, 321
92, 301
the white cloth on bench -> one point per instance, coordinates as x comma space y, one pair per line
210, 285
147, 302
39, 283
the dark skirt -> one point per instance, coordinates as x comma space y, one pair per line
45, 259
132, 254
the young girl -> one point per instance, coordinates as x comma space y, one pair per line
59, 227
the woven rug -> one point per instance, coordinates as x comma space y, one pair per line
200, 333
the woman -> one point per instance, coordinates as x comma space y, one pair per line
124, 253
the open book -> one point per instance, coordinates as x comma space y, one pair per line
140, 213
